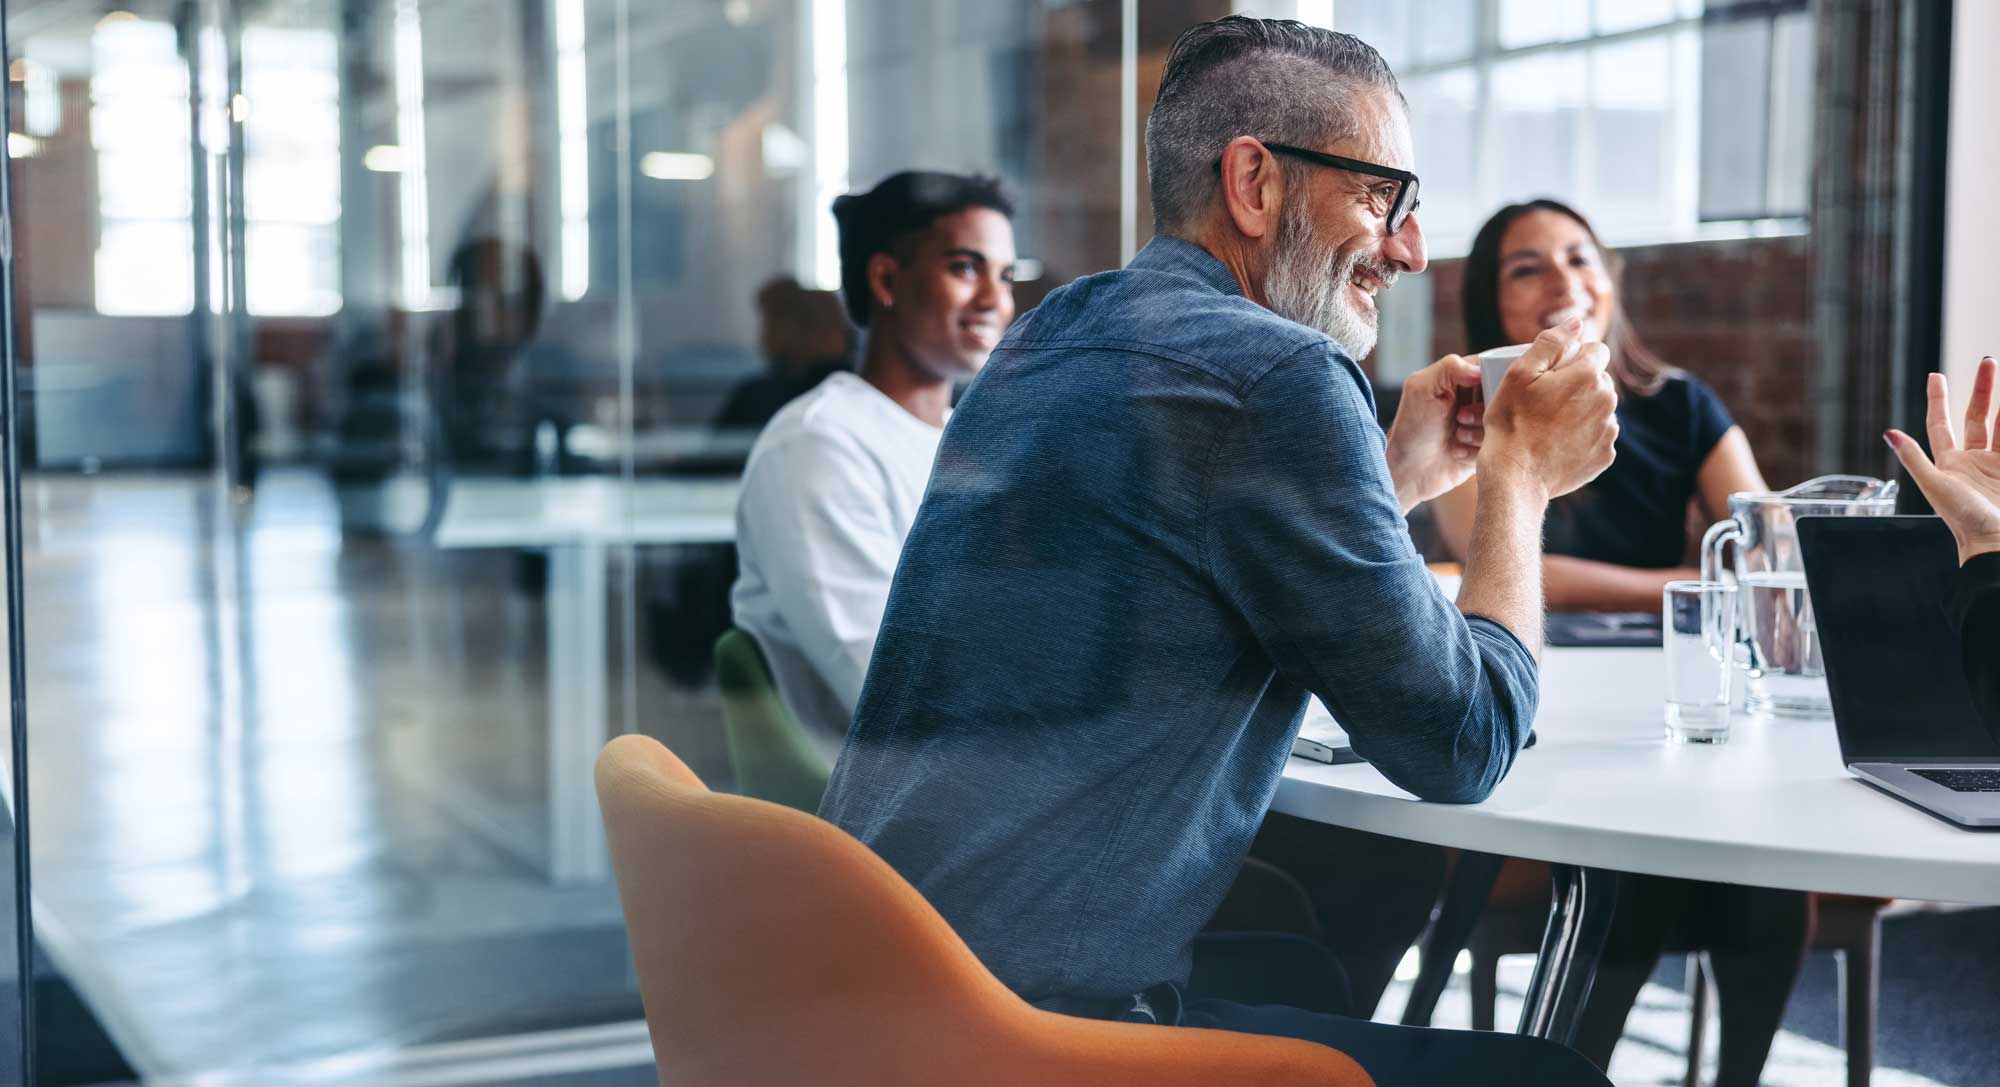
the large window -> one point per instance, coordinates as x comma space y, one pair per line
289, 110
291, 148
139, 128
1667, 119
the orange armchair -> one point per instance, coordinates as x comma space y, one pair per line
773, 948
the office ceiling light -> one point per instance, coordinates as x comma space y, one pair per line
677, 166
384, 158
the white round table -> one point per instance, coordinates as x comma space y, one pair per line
1603, 791
579, 519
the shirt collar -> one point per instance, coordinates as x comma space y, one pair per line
1178, 256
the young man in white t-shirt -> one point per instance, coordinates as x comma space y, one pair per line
834, 481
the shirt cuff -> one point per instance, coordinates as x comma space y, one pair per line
1495, 626
1977, 585
1523, 690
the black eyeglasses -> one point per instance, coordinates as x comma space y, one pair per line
1400, 209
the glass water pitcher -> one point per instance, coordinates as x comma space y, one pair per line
1778, 647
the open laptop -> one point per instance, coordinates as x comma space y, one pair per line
1894, 667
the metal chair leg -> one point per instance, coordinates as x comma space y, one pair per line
1579, 920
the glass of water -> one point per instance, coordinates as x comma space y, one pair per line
1698, 621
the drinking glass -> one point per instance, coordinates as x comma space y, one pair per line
1698, 620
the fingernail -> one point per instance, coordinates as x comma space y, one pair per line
1574, 324
1890, 437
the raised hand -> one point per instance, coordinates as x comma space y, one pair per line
1963, 484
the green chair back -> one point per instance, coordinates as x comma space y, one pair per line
774, 759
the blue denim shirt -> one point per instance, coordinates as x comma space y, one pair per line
1159, 518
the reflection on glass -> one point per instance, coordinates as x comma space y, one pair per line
827, 29
338, 584
413, 154
291, 145
573, 147
139, 126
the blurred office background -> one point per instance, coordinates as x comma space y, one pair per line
381, 369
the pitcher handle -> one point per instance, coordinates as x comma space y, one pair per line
1720, 535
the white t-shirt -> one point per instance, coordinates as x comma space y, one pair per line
829, 494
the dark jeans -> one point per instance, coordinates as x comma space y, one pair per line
1291, 987
1372, 894
1756, 941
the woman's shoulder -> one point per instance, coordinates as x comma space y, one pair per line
1690, 385
1686, 406
1677, 384
1684, 393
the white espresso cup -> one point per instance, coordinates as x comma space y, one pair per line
1493, 364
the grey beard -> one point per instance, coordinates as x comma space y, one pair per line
1303, 288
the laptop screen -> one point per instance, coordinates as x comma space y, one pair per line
1893, 662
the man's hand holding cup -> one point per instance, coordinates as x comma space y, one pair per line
1553, 421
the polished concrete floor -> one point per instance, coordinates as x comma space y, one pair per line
288, 787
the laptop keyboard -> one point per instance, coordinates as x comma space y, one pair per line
1963, 781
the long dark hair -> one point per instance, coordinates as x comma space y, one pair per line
1633, 365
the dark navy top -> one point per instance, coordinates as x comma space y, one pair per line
1160, 516
1635, 514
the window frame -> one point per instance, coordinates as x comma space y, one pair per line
1488, 53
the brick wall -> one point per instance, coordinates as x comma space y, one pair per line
1078, 130
1737, 314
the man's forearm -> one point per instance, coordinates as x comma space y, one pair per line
1503, 568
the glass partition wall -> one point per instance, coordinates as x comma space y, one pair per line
375, 361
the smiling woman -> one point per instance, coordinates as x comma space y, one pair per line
1614, 544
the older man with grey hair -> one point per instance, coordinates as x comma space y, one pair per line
1160, 518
